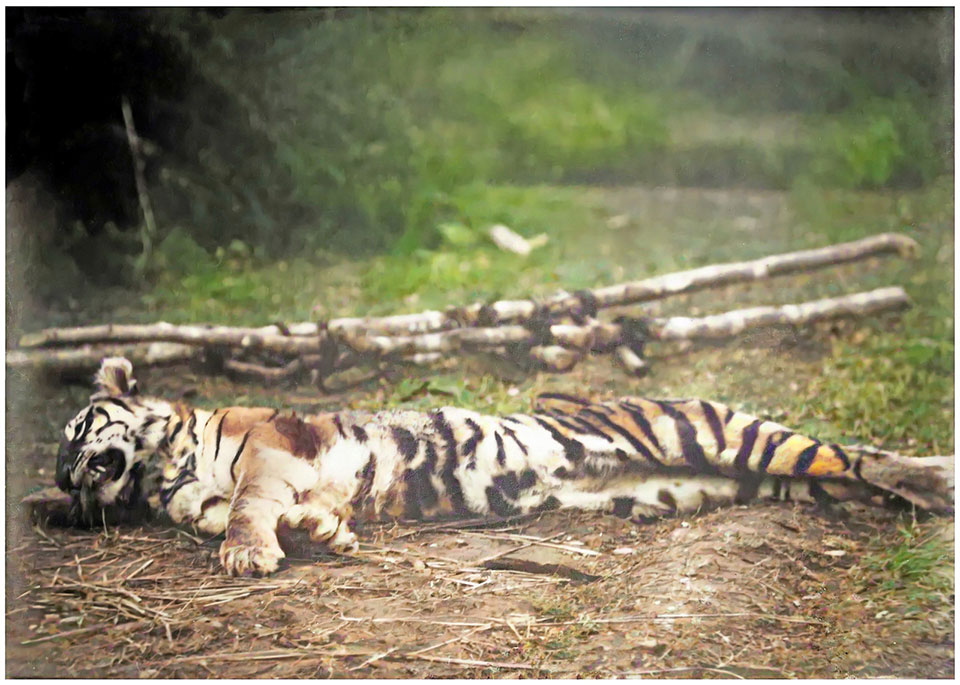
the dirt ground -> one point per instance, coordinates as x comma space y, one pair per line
764, 591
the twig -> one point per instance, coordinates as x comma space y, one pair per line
679, 669
410, 619
419, 652
375, 657
492, 557
734, 323
123, 627
483, 560
674, 617
265, 655
486, 664
532, 567
167, 332
137, 572
715, 275
543, 542
464, 524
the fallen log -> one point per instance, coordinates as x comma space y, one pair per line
717, 275
307, 337
557, 348
600, 336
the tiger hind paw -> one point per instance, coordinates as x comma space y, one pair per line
323, 527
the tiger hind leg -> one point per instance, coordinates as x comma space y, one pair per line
689, 494
323, 524
655, 496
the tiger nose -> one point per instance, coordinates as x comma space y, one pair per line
64, 462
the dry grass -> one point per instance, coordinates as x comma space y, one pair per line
738, 593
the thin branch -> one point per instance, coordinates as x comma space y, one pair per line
485, 664
730, 324
122, 627
296, 338
89, 356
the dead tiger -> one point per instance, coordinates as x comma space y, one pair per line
245, 471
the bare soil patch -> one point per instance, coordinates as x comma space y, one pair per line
766, 591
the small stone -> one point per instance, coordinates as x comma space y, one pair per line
624, 550
650, 645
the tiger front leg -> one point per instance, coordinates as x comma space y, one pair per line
251, 545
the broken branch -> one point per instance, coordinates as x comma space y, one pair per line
89, 356
724, 325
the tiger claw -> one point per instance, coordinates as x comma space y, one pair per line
241, 560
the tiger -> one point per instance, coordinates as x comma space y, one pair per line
243, 472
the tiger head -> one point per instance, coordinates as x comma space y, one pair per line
105, 448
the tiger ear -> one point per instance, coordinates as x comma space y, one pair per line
115, 378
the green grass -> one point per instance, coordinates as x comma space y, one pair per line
920, 559
894, 383
239, 284
368, 131
911, 577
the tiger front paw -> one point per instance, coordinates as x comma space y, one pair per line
241, 559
